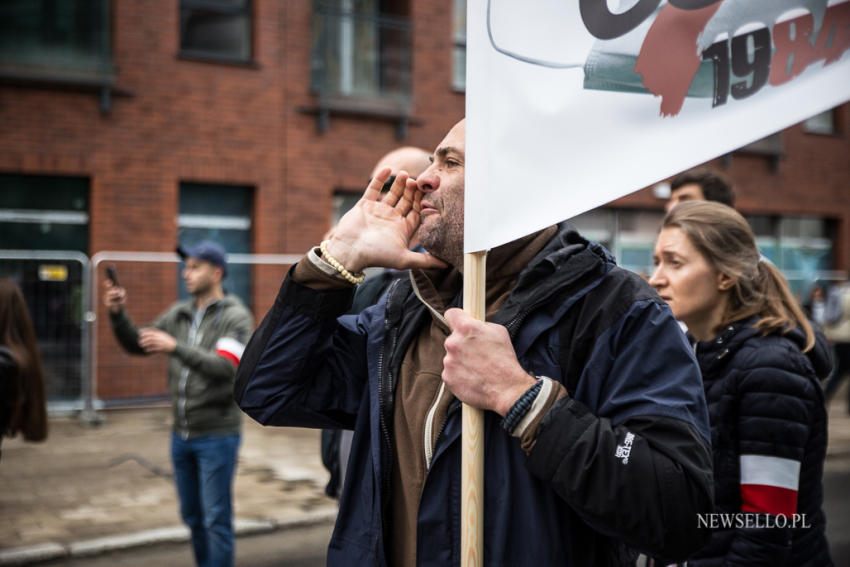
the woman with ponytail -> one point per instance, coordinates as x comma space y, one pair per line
22, 399
760, 364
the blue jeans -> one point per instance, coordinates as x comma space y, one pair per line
204, 468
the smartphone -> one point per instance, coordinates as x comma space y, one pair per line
112, 275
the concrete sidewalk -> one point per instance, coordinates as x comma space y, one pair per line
88, 490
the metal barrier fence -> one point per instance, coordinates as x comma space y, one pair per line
153, 283
55, 286
85, 367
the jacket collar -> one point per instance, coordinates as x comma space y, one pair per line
552, 260
714, 352
440, 289
566, 259
187, 308
711, 354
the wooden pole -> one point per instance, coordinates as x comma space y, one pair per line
472, 456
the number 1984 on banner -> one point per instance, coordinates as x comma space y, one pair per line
749, 56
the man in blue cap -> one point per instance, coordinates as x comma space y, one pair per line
204, 338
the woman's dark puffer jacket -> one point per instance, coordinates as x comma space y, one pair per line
768, 422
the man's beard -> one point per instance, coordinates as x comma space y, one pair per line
444, 240
201, 289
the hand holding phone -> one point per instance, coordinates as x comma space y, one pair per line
112, 274
114, 296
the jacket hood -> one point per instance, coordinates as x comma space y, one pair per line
566, 244
567, 258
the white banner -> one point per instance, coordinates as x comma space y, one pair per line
573, 103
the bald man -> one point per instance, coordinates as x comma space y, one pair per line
411, 159
336, 443
595, 422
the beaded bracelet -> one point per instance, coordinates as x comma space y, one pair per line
352, 278
521, 407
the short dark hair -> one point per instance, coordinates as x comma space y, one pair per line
715, 187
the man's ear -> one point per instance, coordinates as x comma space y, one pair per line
219, 272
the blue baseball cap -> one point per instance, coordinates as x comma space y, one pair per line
207, 251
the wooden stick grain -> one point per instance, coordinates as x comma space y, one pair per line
472, 455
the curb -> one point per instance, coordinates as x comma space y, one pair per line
173, 534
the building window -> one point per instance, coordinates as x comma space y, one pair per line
67, 39
459, 47
361, 49
598, 225
216, 29
628, 234
823, 123
39, 212
801, 247
343, 202
221, 213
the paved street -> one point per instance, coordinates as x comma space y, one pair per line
297, 547
89, 491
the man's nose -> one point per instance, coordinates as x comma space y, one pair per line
428, 181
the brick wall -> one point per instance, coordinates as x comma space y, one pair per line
186, 120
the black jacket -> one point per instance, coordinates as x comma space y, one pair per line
768, 428
624, 458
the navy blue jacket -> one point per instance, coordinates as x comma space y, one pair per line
766, 406
623, 462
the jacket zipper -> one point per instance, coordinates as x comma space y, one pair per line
429, 419
383, 403
429, 427
453, 407
511, 325
193, 338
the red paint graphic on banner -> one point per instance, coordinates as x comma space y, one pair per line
794, 50
668, 60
